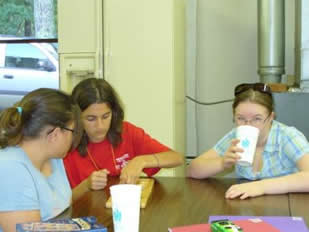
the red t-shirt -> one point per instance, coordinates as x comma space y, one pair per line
135, 142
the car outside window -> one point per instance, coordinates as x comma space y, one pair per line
25, 67
27, 56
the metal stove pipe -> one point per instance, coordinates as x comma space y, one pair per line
271, 40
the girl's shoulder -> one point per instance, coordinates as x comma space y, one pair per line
283, 130
13, 153
14, 160
129, 128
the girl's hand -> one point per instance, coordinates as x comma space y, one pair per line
132, 171
98, 179
243, 191
230, 156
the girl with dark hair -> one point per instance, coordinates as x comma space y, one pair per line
281, 161
34, 137
110, 145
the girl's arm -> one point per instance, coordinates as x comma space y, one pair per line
211, 163
131, 172
297, 182
8, 220
166, 159
206, 165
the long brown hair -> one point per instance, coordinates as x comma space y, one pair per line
91, 91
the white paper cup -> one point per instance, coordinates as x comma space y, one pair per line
126, 200
248, 136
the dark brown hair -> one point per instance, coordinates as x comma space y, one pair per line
38, 109
91, 91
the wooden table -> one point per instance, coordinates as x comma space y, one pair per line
183, 201
299, 205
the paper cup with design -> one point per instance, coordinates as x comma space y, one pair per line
126, 200
248, 136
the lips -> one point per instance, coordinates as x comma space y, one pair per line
99, 136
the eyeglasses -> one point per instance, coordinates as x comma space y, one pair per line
68, 129
261, 87
258, 121
63, 127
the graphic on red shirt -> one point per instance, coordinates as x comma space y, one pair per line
122, 161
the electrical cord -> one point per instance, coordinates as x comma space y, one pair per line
209, 103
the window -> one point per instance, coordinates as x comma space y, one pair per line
28, 48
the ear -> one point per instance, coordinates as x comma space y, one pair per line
54, 135
273, 115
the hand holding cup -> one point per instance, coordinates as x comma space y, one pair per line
231, 156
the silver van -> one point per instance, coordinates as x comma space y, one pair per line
25, 67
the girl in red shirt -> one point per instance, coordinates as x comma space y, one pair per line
109, 145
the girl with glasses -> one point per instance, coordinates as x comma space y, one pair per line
281, 161
34, 137
111, 146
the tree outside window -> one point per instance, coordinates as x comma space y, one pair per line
29, 18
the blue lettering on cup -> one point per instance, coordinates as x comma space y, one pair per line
245, 143
117, 215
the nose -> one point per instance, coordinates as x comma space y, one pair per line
100, 123
247, 122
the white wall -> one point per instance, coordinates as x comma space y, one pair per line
143, 46
144, 61
226, 55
